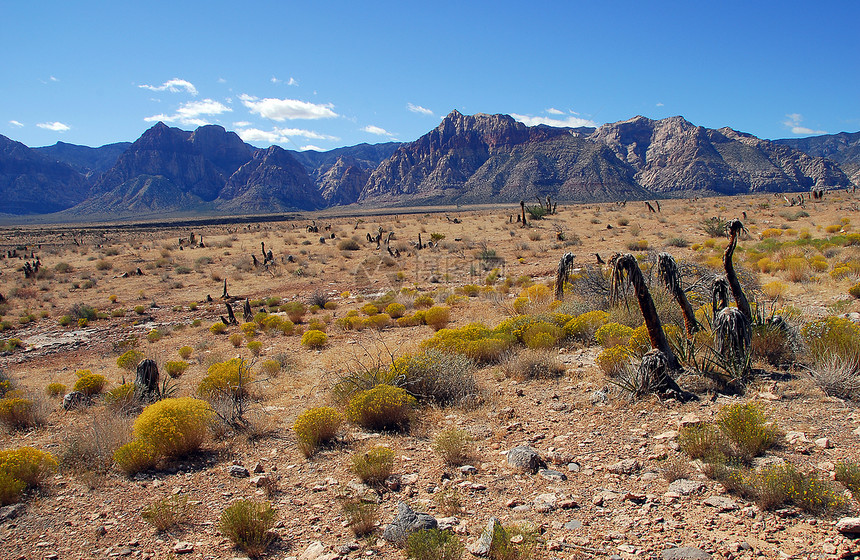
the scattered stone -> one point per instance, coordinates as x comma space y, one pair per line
849, 525
627, 466
447, 523
183, 547
525, 458
73, 400
238, 471
552, 475
573, 467
856, 432
793, 438
408, 479
514, 502
258, 468
573, 524
468, 469
482, 546
11, 512
554, 545
671, 434
568, 504
828, 548
823, 443
545, 503
685, 553
124, 551
314, 551
690, 419
259, 480
405, 522
628, 548
768, 396
636, 498
721, 503
685, 487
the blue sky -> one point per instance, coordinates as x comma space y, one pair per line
329, 74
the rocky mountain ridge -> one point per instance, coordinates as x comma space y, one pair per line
465, 159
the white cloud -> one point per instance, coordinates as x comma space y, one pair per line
292, 82
280, 135
554, 111
222, 81
793, 122
572, 121
659, 104
310, 147
16, 123
53, 79
190, 113
56, 126
175, 85
379, 131
419, 109
283, 109
241, 124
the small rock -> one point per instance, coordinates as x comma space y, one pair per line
73, 400
554, 545
573, 524
573, 467
124, 551
238, 471
183, 547
685, 553
628, 548
468, 469
686, 487
856, 432
627, 466
567, 504
313, 551
690, 419
11, 512
545, 503
552, 475
721, 503
258, 468
525, 458
671, 434
848, 525
513, 502
637, 499
405, 522
259, 480
447, 523
828, 548
823, 443
793, 438
482, 546
768, 396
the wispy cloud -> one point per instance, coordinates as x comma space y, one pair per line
793, 121
419, 109
659, 104
54, 79
554, 111
571, 121
379, 131
242, 124
191, 113
310, 147
175, 86
222, 81
290, 82
280, 135
56, 126
16, 123
283, 109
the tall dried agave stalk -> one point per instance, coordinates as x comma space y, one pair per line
733, 229
562, 276
670, 276
657, 364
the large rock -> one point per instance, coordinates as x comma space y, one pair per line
525, 458
405, 522
849, 526
75, 399
482, 546
685, 553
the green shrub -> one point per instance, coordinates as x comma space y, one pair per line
848, 473
702, 441
270, 367
777, 485
315, 427
314, 339
255, 346
771, 344
90, 384
613, 334
433, 545
129, 360
166, 513
236, 339
185, 352
175, 369
382, 407
226, 379
438, 316
512, 543
832, 335
65, 320
248, 525
454, 446
395, 310
423, 302
583, 327
135, 456
374, 465
55, 389
748, 429
174, 427
154, 335
121, 397
22, 468
294, 310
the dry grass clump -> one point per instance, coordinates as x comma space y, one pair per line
445, 379
516, 542
315, 427
361, 517
533, 364
848, 473
248, 525
374, 465
92, 447
167, 513
455, 447
837, 374
20, 412
433, 544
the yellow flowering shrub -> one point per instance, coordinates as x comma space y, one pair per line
174, 427
438, 316
395, 310
374, 465
90, 384
612, 361
613, 334
135, 456
316, 426
129, 360
482, 344
23, 468
226, 378
583, 327
218, 328
16, 412
314, 339
383, 407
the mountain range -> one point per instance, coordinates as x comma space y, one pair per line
466, 159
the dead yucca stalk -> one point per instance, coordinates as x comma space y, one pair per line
563, 274
670, 276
